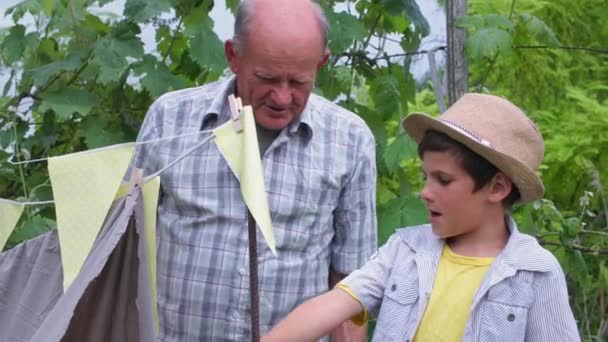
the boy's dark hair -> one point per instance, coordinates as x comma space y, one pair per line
480, 169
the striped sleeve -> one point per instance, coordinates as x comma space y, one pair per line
367, 284
145, 154
363, 316
355, 224
550, 317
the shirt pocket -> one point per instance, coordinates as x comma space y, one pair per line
504, 312
302, 206
398, 305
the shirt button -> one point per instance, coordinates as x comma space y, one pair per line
511, 317
394, 287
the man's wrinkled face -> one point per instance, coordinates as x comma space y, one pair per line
275, 71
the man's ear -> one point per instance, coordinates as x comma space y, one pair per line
500, 187
324, 59
231, 55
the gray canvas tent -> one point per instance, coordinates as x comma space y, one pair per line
109, 300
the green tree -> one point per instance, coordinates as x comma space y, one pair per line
551, 58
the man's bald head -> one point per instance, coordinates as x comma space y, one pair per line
278, 48
254, 16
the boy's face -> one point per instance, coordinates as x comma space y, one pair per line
453, 207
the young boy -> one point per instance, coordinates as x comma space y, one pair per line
469, 275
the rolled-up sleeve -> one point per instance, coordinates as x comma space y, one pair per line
368, 283
355, 222
145, 154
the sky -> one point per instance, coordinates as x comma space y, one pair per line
224, 22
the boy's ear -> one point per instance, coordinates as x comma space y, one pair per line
500, 187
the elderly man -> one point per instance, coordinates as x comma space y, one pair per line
319, 170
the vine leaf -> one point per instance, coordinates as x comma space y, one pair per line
67, 101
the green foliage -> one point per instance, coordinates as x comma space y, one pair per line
205, 46
111, 53
345, 30
410, 212
33, 227
565, 92
402, 148
13, 44
142, 10
491, 35
157, 79
66, 101
488, 42
541, 32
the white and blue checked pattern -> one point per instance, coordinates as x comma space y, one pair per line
522, 298
321, 181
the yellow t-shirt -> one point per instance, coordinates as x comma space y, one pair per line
457, 280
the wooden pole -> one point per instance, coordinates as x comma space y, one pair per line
457, 69
438, 86
253, 278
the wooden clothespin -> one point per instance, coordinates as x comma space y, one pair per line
236, 108
137, 178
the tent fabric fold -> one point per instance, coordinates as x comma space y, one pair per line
109, 300
30, 285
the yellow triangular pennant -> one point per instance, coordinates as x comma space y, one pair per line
242, 153
84, 186
150, 191
10, 212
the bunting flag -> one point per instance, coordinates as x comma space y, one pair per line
242, 154
84, 185
10, 212
150, 192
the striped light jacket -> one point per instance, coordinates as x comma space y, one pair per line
523, 297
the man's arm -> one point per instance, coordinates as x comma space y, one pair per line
355, 226
315, 318
347, 331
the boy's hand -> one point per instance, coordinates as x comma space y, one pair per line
349, 332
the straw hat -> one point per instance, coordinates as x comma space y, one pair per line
495, 129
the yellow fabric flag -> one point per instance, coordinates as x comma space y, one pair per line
242, 153
84, 185
10, 212
150, 191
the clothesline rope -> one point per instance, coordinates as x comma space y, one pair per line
146, 179
115, 146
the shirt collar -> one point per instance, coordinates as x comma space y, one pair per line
522, 251
218, 109
304, 124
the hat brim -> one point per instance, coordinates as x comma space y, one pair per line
527, 181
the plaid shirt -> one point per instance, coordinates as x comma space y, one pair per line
321, 180
523, 297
